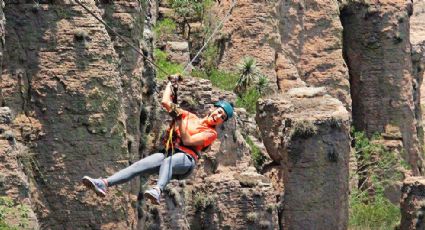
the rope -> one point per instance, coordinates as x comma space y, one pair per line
170, 139
229, 12
120, 36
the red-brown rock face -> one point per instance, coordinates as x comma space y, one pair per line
16, 198
295, 43
311, 48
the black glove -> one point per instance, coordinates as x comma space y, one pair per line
175, 111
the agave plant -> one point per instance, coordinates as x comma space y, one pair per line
262, 84
247, 75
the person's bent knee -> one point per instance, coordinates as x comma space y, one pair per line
155, 158
160, 156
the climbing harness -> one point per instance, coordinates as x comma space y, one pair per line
229, 12
121, 37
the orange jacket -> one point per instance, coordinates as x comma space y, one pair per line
195, 125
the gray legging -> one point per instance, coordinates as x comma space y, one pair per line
182, 165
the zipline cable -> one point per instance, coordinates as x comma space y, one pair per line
121, 37
229, 12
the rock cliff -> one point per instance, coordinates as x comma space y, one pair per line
378, 53
308, 133
78, 100
76, 93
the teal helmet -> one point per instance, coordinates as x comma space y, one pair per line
227, 107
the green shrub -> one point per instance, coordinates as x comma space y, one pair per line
221, 79
374, 163
209, 59
248, 74
262, 84
248, 100
379, 213
271, 207
257, 157
376, 168
190, 8
19, 212
164, 27
169, 67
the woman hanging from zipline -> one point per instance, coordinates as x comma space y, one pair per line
192, 135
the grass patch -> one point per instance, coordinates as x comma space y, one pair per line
257, 157
379, 213
251, 84
160, 58
221, 79
248, 100
376, 169
164, 27
18, 212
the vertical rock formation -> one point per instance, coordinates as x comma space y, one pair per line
307, 132
413, 203
15, 192
250, 31
417, 39
77, 92
311, 48
412, 197
2, 34
133, 20
16, 198
378, 52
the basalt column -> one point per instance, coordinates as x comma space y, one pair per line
378, 52
307, 132
62, 79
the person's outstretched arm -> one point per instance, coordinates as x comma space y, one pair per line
166, 101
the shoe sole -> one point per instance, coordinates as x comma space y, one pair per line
87, 182
151, 198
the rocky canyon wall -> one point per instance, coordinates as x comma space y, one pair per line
78, 100
77, 94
